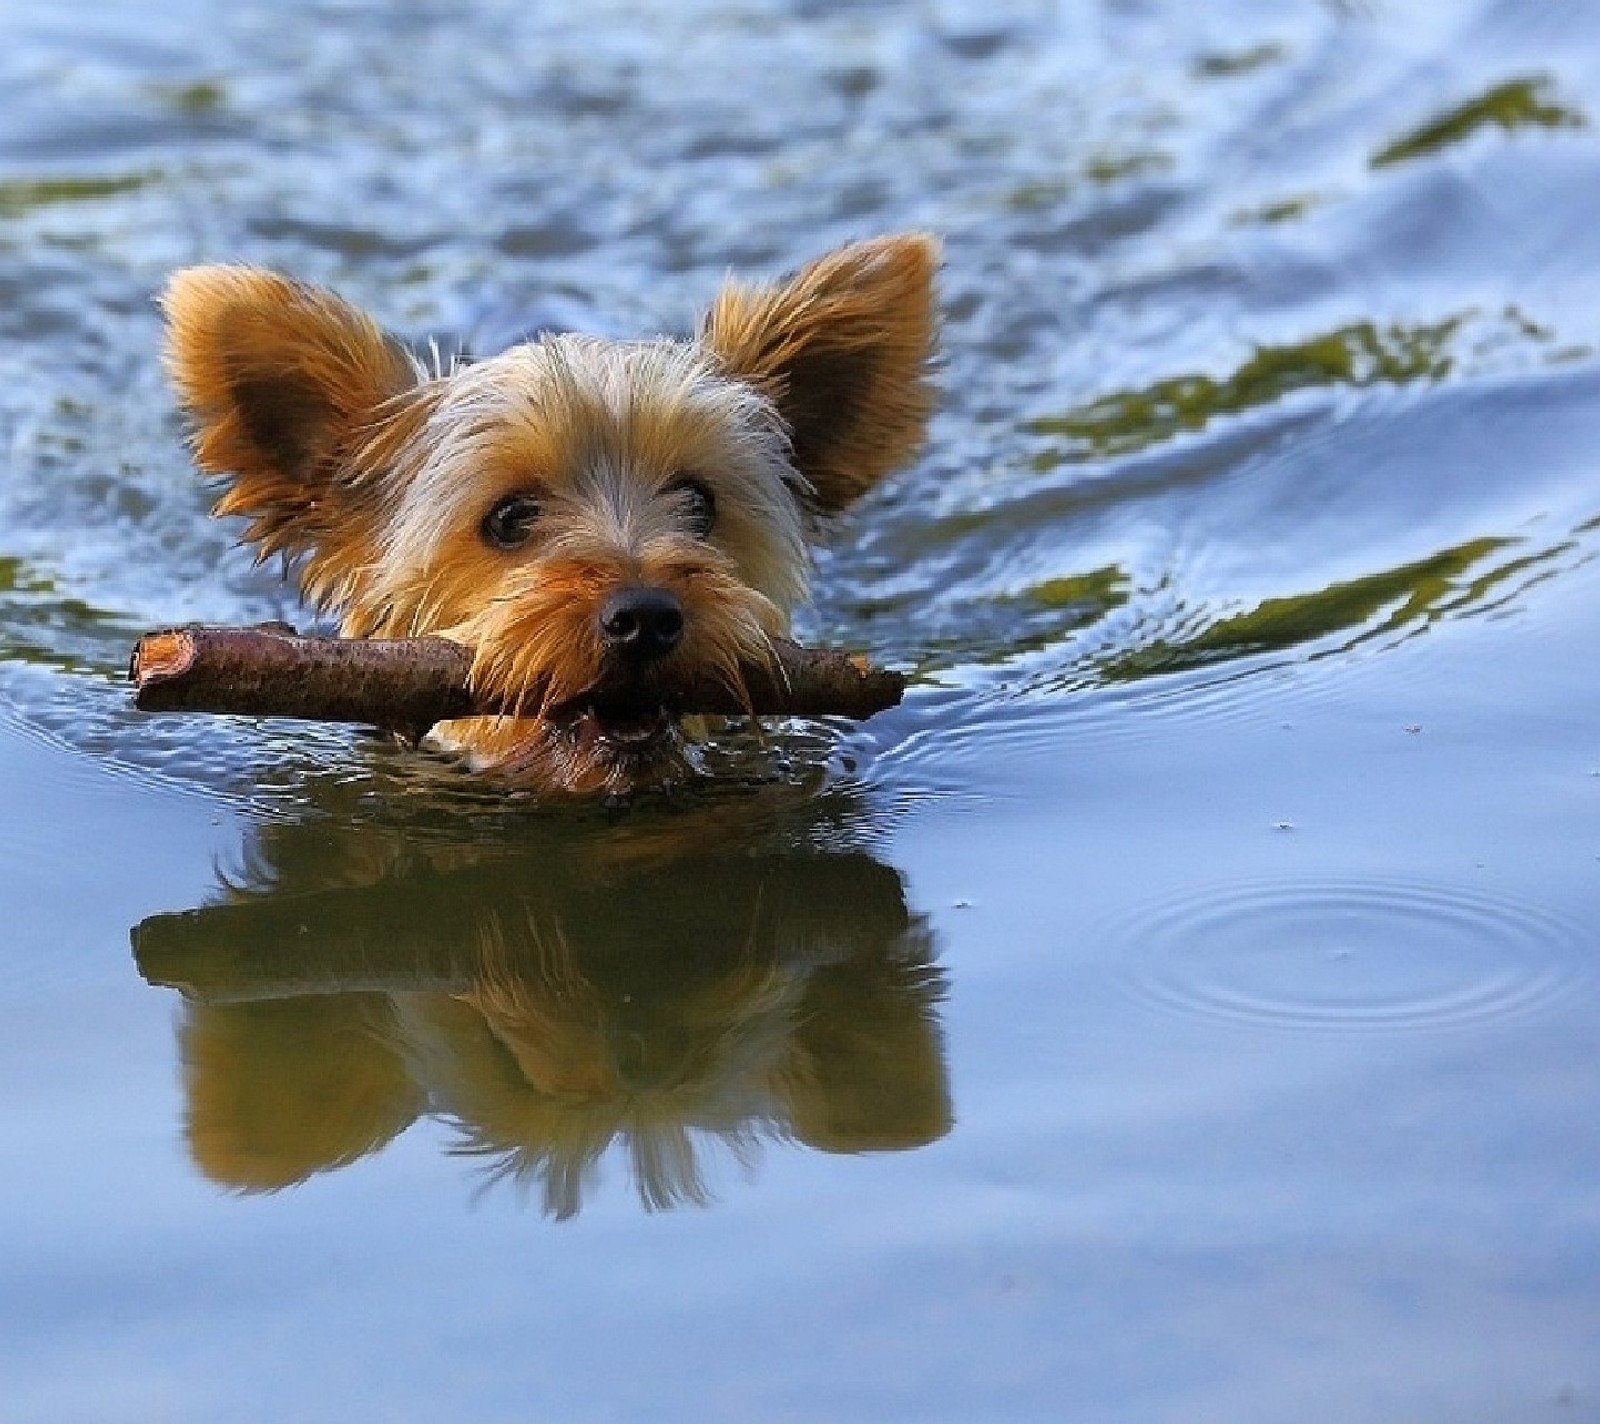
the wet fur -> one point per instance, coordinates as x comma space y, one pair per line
373, 475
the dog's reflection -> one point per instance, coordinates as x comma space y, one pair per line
548, 1009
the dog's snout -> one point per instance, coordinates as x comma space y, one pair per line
641, 624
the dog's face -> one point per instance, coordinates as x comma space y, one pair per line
598, 521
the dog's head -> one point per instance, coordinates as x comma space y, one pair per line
596, 520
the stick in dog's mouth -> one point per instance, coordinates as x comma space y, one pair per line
409, 684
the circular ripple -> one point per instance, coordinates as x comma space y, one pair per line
1352, 957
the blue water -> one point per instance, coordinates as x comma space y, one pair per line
1184, 1008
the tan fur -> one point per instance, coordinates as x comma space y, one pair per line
347, 457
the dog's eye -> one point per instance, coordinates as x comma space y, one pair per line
510, 523
698, 504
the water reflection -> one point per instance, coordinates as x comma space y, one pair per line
41, 624
19, 196
1354, 356
1516, 104
549, 1002
1359, 354
1388, 604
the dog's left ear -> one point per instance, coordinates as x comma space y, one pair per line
842, 349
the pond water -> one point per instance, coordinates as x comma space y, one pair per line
1185, 1007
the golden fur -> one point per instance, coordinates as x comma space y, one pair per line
376, 478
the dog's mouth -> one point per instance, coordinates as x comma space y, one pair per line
625, 727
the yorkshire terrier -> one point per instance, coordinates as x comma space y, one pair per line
595, 520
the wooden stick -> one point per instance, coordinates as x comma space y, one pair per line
408, 684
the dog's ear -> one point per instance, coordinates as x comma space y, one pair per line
286, 386
842, 349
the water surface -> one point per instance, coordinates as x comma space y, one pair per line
1182, 1008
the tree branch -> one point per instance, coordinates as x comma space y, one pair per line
408, 684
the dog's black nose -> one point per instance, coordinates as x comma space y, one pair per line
641, 624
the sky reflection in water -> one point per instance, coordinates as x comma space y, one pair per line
1182, 1008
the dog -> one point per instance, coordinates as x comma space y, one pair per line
595, 520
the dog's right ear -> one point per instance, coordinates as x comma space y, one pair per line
842, 350
287, 389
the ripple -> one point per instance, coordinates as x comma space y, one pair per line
1351, 957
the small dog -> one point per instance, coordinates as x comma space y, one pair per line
594, 519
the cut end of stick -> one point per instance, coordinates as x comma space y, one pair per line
169, 653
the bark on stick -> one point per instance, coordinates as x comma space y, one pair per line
408, 684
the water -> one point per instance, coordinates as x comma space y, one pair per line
1183, 1008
